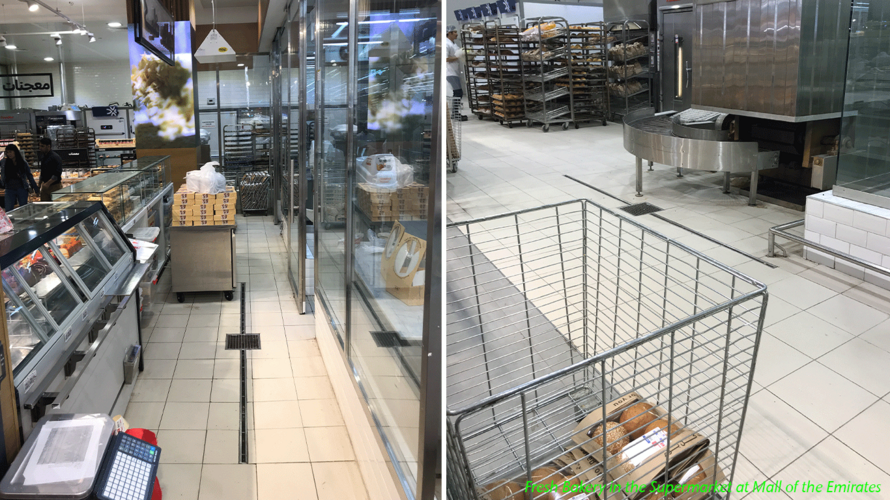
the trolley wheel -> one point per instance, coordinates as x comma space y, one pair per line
546, 128
180, 297
510, 125
528, 124
230, 295
604, 123
480, 116
565, 125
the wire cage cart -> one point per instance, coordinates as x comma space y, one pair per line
588, 48
453, 128
630, 71
505, 70
474, 41
247, 159
545, 57
562, 317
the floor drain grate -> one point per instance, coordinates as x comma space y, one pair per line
387, 339
247, 341
641, 209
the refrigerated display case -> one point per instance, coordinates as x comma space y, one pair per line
121, 192
67, 272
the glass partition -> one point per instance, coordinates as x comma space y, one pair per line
863, 170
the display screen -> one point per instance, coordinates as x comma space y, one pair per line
164, 95
155, 29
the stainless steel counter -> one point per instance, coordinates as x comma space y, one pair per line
203, 259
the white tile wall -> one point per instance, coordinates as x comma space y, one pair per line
850, 227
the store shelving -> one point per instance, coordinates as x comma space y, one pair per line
588, 49
476, 72
630, 71
545, 56
247, 158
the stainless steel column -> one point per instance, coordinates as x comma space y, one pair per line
351, 91
430, 439
639, 176
62, 81
302, 158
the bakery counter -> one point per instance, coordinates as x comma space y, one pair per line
203, 259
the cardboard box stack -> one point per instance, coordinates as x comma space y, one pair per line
201, 209
381, 205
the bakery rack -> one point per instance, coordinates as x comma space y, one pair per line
588, 48
545, 57
246, 159
505, 71
630, 68
474, 42
556, 310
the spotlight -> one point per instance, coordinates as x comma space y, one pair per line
32, 6
114, 24
11, 47
92, 38
58, 40
48, 59
240, 64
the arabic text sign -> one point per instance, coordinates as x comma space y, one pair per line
26, 85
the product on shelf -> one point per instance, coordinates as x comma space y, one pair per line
201, 209
542, 31
636, 417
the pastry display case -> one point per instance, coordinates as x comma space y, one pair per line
155, 172
48, 275
65, 270
121, 192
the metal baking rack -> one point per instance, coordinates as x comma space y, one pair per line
475, 42
505, 70
246, 160
555, 310
630, 72
588, 47
544, 58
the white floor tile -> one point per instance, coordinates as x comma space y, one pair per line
339, 481
849, 314
224, 417
281, 446
228, 482
189, 391
277, 414
158, 368
194, 369
221, 447
183, 416
860, 362
276, 481
180, 481
181, 447
834, 460
809, 334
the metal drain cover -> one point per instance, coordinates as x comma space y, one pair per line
247, 341
641, 209
387, 339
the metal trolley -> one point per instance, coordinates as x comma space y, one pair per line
546, 57
453, 128
553, 311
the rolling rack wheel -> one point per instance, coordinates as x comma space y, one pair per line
528, 124
577, 126
229, 295
546, 128
604, 123
480, 116
180, 297
510, 125
565, 125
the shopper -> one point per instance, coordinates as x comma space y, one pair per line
50, 170
16, 177
452, 60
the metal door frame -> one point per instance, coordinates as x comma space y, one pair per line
663, 44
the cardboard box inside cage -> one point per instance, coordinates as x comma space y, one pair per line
402, 266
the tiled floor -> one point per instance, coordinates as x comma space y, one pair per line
299, 446
821, 383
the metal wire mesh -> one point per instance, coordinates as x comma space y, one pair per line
553, 311
453, 131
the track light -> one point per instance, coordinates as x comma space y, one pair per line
58, 40
11, 47
32, 6
48, 59
92, 38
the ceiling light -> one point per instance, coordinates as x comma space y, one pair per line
240, 64
48, 59
11, 47
32, 6
59, 41
114, 24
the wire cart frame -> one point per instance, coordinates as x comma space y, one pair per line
474, 40
556, 310
505, 70
545, 57
630, 91
588, 48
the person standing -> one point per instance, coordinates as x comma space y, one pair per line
50, 170
16, 177
452, 62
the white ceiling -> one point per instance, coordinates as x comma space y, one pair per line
227, 11
110, 45
94, 12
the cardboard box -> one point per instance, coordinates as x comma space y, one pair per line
223, 206
182, 198
204, 222
180, 223
687, 477
202, 210
230, 214
401, 266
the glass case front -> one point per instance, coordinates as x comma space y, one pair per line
46, 260
863, 170
155, 173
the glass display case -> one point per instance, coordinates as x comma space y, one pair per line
863, 168
155, 172
122, 192
57, 259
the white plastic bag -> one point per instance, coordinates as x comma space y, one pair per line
205, 180
385, 171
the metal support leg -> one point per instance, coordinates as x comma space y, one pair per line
726, 183
679, 172
650, 166
639, 177
752, 191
